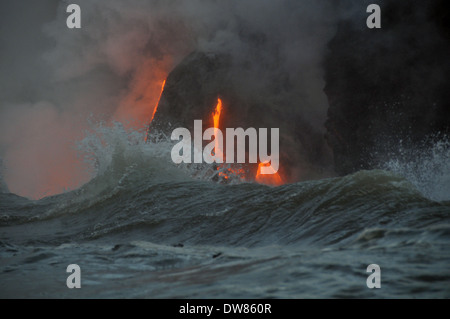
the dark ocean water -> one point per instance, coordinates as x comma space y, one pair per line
145, 229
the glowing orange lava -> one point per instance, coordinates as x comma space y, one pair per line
236, 172
216, 119
268, 179
156, 106
225, 173
159, 99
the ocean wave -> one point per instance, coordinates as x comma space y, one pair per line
427, 167
137, 189
325, 212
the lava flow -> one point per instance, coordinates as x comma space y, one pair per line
235, 172
156, 106
224, 173
216, 119
268, 179
159, 99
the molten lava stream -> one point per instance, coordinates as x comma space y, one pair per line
216, 119
156, 106
228, 172
159, 99
268, 179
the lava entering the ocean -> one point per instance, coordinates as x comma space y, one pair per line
273, 179
268, 179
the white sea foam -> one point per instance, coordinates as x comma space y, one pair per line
114, 152
427, 168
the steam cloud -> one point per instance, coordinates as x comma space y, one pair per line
53, 79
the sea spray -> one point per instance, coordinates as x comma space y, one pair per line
428, 168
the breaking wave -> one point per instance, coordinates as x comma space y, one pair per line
141, 211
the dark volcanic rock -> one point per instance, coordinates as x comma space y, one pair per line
191, 93
387, 87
